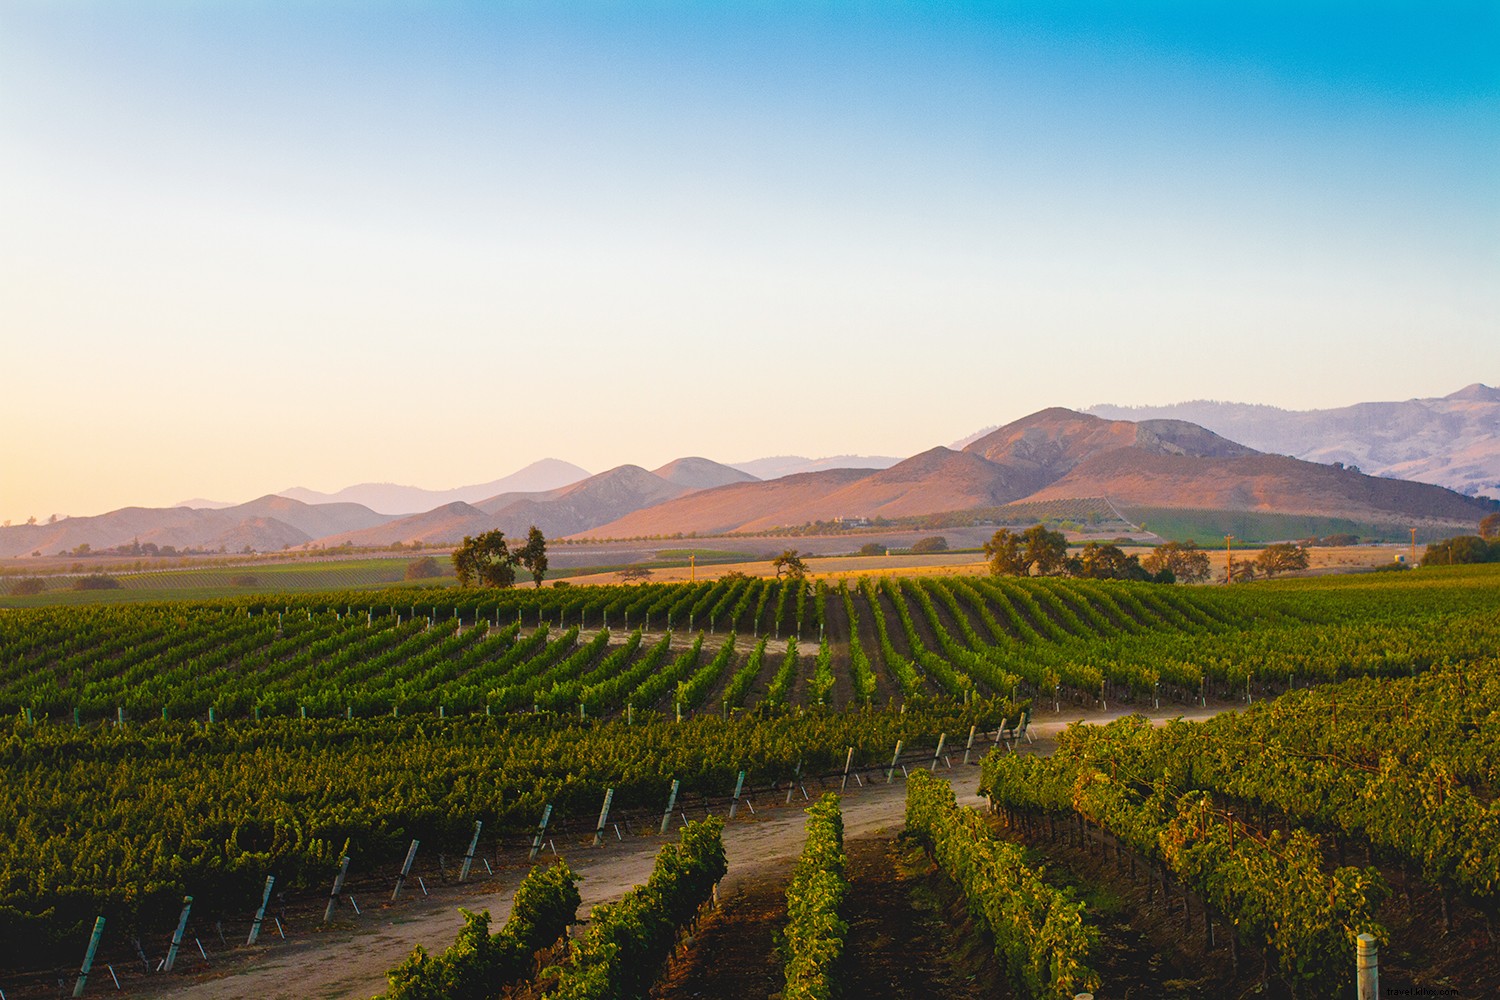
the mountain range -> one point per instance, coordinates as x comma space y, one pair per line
1055, 454
1452, 440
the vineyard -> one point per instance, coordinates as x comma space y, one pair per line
153, 751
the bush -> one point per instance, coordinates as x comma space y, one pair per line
28, 585
424, 568
245, 580
937, 543
872, 549
96, 581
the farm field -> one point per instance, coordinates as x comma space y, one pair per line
278, 736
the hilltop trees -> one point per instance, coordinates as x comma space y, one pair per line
790, 563
1461, 550
1035, 550
1281, 558
1004, 554
1184, 560
533, 555
1489, 528
487, 559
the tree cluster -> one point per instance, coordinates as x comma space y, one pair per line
1462, 550
488, 561
1282, 557
1038, 551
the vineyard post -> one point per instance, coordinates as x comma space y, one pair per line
171, 960
1367, 966
666, 817
848, 760
890, 772
411, 855
119, 715
970, 747
541, 830
338, 887
88, 957
739, 786
938, 753
792, 785
463, 873
260, 914
609, 796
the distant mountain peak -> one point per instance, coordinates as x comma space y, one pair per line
1476, 392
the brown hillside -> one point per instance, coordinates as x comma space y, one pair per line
1258, 482
448, 523
729, 508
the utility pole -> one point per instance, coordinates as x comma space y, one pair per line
1228, 555
693, 566
1414, 547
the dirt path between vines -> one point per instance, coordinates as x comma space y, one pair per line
350, 960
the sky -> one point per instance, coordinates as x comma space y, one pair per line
246, 246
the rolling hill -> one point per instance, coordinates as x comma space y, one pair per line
1059, 454
1451, 441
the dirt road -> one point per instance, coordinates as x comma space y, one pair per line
351, 960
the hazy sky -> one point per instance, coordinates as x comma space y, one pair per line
245, 246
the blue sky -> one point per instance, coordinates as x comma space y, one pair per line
252, 245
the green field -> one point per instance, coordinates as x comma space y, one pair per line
1208, 527
277, 733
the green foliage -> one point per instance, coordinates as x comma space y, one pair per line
1282, 557
533, 555
872, 549
791, 564
1461, 551
1184, 562
485, 559
934, 543
1040, 934
1141, 787
629, 941
478, 965
425, 568
813, 940
96, 581
28, 585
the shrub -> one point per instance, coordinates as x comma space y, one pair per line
96, 581
28, 585
936, 543
424, 568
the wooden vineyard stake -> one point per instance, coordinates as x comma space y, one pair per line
541, 830
411, 855
609, 796
88, 957
890, 772
463, 873
848, 760
739, 786
260, 914
338, 887
1367, 966
969, 748
666, 817
171, 959
938, 753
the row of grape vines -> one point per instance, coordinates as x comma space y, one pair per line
947, 638
815, 928
122, 821
1272, 885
